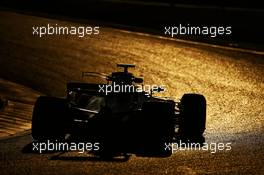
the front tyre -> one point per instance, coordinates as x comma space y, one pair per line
192, 118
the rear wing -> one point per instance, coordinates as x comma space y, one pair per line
126, 66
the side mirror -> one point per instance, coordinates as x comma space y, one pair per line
157, 89
138, 80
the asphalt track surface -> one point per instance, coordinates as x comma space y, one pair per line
231, 80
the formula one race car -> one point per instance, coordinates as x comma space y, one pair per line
120, 116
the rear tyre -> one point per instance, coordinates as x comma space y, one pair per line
49, 118
2, 104
156, 128
192, 118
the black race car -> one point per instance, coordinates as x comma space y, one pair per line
120, 116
